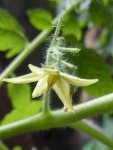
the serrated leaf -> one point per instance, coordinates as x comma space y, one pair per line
13, 116
71, 27
20, 95
91, 65
32, 108
23, 107
9, 23
29, 110
12, 42
101, 14
40, 19
12, 37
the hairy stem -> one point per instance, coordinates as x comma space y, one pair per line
58, 118
56, 33
54, 40
35, 43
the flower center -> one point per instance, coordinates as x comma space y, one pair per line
51, 80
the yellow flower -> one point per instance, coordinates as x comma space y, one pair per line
47, 78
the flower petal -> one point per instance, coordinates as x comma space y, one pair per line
62, 89
78, 81
41, 87
51, 71
35, 69
28, 78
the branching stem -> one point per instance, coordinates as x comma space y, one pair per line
58, 118
34, 43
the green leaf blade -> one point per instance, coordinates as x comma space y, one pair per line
71, 27
91, 65
101, 14
20, 95
12, 38
40, 19
8, 22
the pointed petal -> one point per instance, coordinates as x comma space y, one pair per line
78, 81
62, 89
35, 69
41, 87
23, 79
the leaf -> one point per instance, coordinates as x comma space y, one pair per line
29, 110
105, 2
12, 37
32, 108
40, 19
13, 116
7, 21
101, 14
20, 95
11, 41
91, 65
56, 3
17, 148
71, 27
23, 107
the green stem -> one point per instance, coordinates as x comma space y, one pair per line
58, 61
46, 102
35, 43
69, 50
57, 31
59, 54
53, 43
58, 118
66, 64
88, 129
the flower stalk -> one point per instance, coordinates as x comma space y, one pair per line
46, 98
